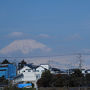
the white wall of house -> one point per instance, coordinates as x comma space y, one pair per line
45, 66
42, 68
88, 71
29, 74
24, 69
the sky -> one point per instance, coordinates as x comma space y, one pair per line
44, 27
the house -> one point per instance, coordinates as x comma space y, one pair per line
30, 73
8, 70
83, 71
56, 71
87, 71
24, 69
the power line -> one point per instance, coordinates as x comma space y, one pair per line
57, 55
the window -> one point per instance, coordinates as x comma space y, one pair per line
38, 76
23, 71
37, 70
29, 70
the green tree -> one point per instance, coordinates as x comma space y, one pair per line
5, 62
3, 80
21, 64
87, 79
59, 80
76, 79
45, 79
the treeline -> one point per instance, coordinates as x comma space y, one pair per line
76, 79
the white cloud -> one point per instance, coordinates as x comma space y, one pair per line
16, 34
86, 50
21, 34
44, 35
74, 37
24, 46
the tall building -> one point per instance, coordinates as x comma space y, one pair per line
8, 71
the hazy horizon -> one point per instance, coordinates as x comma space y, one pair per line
45, 28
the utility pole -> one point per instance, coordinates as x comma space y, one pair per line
80, 61
49, 62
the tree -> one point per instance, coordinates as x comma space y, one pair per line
60, 80
45, 79
76, 79
3, 81
87, 79
5, 62
50, 80
21, 64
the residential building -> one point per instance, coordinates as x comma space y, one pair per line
57, 71
87, 71
30, 73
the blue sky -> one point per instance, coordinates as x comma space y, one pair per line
62, 26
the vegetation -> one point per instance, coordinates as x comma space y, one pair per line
87, 80
75, 79
21, 64
59, 80
45, 79
5, 62
3, 81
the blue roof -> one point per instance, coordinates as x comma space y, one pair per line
24, 85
